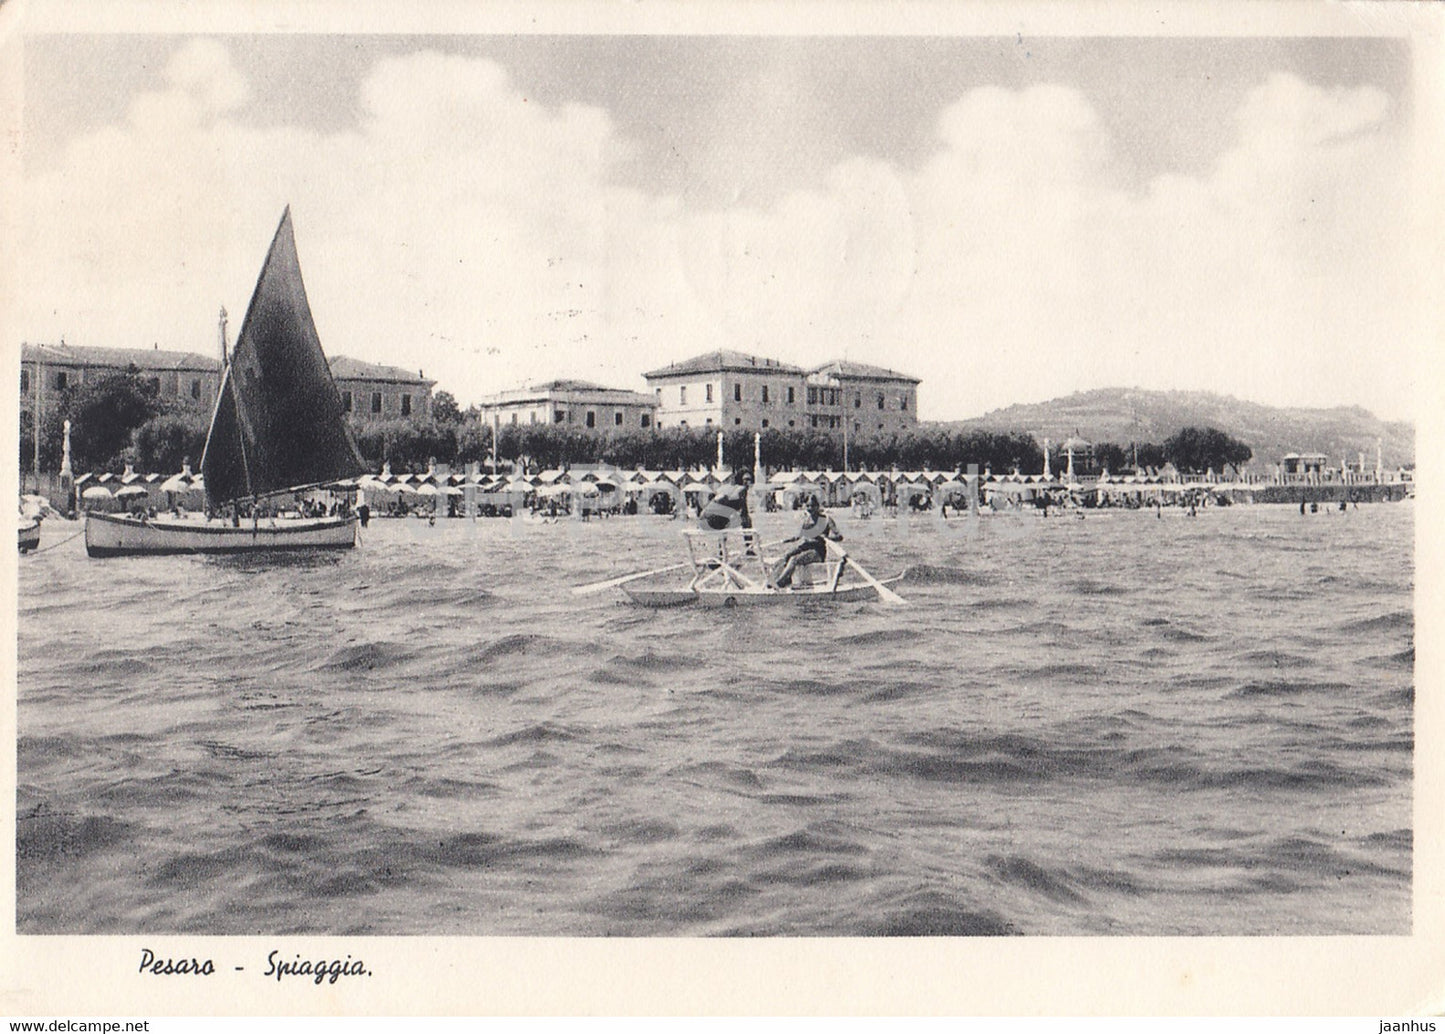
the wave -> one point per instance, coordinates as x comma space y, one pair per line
1289, 687
371, 656
44, 834
931, 913
934, 574
1394, 621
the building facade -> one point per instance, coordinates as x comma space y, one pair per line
371, 392
861, 400
732, 390
725, 390
573, 405
187, 378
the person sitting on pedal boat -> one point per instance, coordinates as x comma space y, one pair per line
729, 507
812, 547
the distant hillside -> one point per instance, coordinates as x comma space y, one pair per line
1123, 415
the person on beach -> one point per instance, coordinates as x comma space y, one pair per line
812, 545
729, 507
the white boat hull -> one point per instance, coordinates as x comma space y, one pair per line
738, 597
29, 534
109, 535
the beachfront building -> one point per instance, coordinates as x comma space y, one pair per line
1304, 466
371, 392
52, 371
733, 390
860, 399
571, 404
726, 390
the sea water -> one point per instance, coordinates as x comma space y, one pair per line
1122, 724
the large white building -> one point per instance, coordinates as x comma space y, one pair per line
573, 405
733, 390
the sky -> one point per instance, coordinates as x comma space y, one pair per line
1008, 218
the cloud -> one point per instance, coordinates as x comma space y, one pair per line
464, 228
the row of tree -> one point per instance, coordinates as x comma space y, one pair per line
122, 419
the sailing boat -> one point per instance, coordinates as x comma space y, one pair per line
278, 428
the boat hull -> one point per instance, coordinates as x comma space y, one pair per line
750, 597
29, 535
111, 535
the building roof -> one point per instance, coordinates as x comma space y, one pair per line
343, 367
721, 361
843, 369
550, 390
118, 358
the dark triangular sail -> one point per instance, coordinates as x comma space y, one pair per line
278, 422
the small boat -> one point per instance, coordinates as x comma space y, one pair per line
731, 569
29, 533
278, 428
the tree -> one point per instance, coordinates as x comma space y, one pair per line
444, 408
1197, 449
168, 440
104, 415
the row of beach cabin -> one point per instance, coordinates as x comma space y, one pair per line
604, 490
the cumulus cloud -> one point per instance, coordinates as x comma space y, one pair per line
464, 228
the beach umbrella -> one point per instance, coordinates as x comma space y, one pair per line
131, 490
96, 492
176, 483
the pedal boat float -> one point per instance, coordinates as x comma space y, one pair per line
731, 570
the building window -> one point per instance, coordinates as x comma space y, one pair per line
591, 418
345, 400
737, 392
659, 396
532, 415
812, 396
617, 419
791, 424
406, 405
62, 380
790, 396
646, 420
880, 400
558, 416
903, 403
737, 420
765, 394
24, 380
682, 395
857, 401
155, 384
196, 391
709, 391
376, 402
765, 423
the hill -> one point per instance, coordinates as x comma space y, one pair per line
1122, 415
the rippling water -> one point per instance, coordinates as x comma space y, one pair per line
1113, 725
